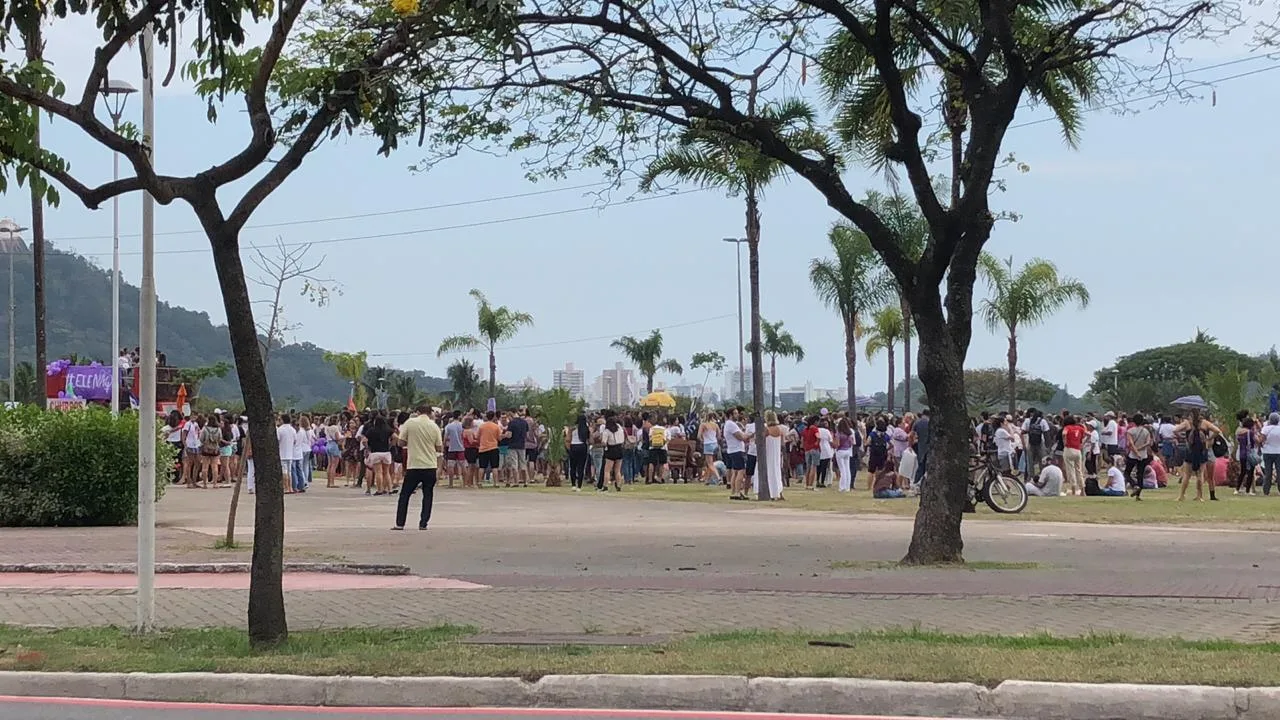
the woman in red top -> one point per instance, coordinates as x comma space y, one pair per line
1072, 456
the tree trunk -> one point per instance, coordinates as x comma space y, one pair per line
267, 624
1013, 370
851, 361
773, 381
34, 52
943, 496
892, 384
649, 384
757, 360
493, 375
906, 352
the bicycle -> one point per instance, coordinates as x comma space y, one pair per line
1003, 493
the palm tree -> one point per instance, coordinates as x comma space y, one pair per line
849, 283
494, 325
888, 327
722, 162
464, 380
902, 216
713, 361
374, 379
1024, 298
777, 342
350, 367
403, 392
645, 353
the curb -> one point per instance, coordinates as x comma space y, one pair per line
1011, 700
220, 567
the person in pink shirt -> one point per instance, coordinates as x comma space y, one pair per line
900, 435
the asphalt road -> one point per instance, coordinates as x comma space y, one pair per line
75, 709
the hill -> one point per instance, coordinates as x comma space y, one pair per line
78, 320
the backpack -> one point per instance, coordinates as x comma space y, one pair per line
657, 437
877, 443
210, 440
1220, 449
1035, 433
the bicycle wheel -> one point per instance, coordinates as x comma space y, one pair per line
1005, 495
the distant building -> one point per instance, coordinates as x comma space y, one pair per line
571, 379
526, 384
616, 387
730, 391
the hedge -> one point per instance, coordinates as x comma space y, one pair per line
73, 468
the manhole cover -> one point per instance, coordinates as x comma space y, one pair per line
554, 639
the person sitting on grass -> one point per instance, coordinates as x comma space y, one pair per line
1049, 484
885, 484
1115, 480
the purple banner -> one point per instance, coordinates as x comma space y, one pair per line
90, 382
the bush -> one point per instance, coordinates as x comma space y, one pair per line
72, 468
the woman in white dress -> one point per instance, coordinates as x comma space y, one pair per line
774, 434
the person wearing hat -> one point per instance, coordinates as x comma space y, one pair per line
1109, 435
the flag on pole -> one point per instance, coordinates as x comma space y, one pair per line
351, 398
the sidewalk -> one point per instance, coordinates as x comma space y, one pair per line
617, 612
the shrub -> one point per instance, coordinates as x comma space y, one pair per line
72, 468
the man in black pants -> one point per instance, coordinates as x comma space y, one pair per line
421, 437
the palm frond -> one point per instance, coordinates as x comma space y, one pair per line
459, 343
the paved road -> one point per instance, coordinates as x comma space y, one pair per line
54, 709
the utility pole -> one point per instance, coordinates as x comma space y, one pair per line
742, 343
146, 616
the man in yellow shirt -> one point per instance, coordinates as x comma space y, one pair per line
421, 437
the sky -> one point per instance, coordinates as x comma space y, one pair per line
1161, 212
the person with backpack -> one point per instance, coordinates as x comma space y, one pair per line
1200, 436
210, 448
1036, 429
878, 446
657, 465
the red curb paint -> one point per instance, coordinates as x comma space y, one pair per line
232, 581
430, 712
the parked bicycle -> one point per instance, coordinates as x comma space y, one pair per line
1001, 491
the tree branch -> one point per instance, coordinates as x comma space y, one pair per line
102, 57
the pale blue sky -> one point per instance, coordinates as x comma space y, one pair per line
1153, 210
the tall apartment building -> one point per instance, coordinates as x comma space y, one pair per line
730, 390
571, 379
617, 387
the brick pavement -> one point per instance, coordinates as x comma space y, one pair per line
660, 612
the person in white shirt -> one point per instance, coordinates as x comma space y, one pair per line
1115, 480
1004, 444
190, 451
735, 456
1110, 436
287, 437
1036, 431
826, 451
750, 431
1270, 451
1049, 484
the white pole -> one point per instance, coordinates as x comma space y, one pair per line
13, 308
147, 372
115, 288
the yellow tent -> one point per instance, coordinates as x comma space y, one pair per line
660, 398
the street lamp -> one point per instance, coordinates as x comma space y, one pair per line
115, 94
11, 229
742, 358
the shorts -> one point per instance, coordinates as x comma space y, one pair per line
751, 465
613, 452
490, 459
502, 452
531, 454
735, 461
658, 456
710, 448
456, 456
516, 460
379, 458
876, 461
192, 450
1197, 458
332, 450
811, 459
471, 455
226, 451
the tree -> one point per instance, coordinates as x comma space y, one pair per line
333, 81
1176, 368
886, 330
350, 367
713, 362
902, 216
27, 388
719, 161
281, 267
494, 325
849, 283
403, 391
556, 409
896, 74
1024, 299
464, 380
777, 342
645, 353
988, 387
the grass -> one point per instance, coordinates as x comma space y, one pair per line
971, 565
893, 655
1158, 507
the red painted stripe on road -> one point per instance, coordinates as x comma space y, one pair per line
430, 712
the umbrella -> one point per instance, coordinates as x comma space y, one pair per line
659, 398
1191, 401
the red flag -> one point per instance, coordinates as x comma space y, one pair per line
351, 398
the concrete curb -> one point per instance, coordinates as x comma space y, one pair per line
1011, 700
220, 567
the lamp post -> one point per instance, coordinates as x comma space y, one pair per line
11, 229
115, 94
742, 357
146, 610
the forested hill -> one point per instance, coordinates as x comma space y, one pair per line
78, 319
